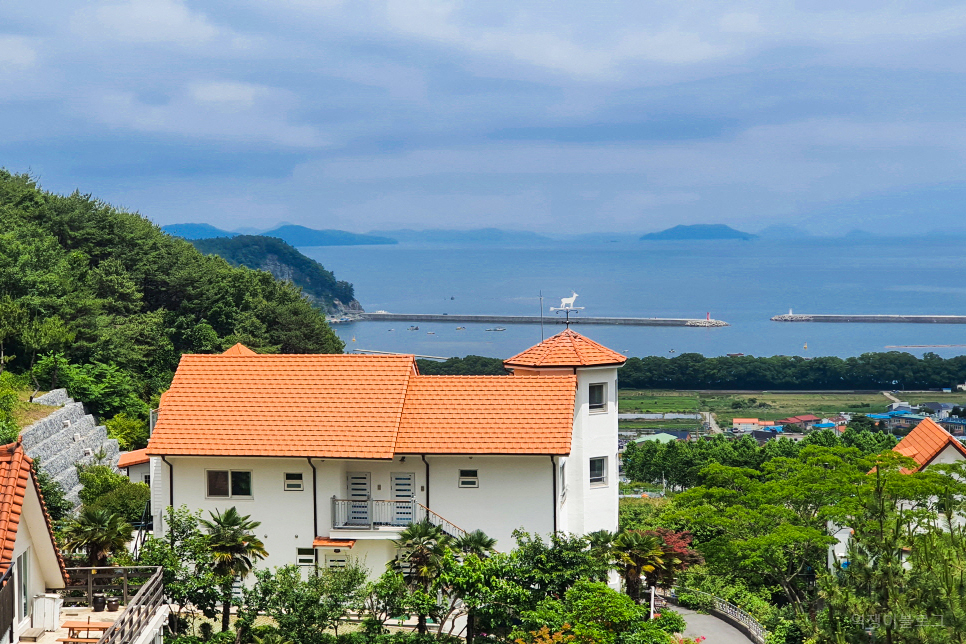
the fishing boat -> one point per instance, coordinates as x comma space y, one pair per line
499, 328
461, 328
430, 333
413, 328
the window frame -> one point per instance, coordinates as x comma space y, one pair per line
562, 479
471, 481
602, 482
230, 472
22, 571
300, 481
602, 408
305, 552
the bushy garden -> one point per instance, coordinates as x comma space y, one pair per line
551, 589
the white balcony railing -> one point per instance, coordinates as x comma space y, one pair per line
372, 514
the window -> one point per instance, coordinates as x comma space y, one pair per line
598, 399
469, 478
336, 561
563, 479
23, 587
305, 557
598, 471
293, 481
229, 483
147, 479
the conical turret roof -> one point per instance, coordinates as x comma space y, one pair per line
566, 349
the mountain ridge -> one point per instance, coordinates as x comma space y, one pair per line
683, 232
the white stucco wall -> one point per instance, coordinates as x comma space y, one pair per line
949, 455
137, 472
32, 535
514, 492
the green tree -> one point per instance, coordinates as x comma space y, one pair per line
422, 547
637, 554
190, 582
127, 500
234, 547
98, 480
99, 533
131, 433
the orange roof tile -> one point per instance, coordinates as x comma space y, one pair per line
355, 406
15, 472
488, 415
136, 457
566, 349
239, 349
325, 542
926, 442
344, 406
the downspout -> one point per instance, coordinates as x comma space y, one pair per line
170, 489
423, 456
553, 491
315, 500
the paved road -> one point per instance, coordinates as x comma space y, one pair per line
712, 422
715, 630
890, 396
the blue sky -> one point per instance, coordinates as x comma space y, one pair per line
548, 116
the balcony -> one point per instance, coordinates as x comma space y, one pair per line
139, 589
377, 515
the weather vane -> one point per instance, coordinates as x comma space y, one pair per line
567, 306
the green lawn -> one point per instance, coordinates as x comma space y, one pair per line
764, 405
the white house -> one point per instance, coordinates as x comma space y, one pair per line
335, 454
30, 561
137, 465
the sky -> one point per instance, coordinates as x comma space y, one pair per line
552, 116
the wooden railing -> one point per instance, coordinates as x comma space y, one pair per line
138, 613
122, 582
8, 604
370, 514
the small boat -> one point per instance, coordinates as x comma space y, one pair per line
499, 328
392, 329
430, 333
413, 328
461, 328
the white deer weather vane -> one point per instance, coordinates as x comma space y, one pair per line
567, 306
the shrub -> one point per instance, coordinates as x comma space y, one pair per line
98, 480
130, 433
128, 500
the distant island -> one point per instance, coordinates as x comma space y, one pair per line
697, 232
284, 262
476, 236
292, 234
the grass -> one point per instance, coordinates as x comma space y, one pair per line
763, 405
917, 397
27, 413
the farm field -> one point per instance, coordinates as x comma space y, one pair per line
764, 405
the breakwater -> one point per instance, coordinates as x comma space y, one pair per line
536, 319
907, 319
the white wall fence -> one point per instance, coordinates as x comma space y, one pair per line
756, 631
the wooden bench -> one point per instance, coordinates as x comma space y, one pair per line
79, 640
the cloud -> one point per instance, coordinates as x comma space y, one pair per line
146, 21
17, 51
216, 110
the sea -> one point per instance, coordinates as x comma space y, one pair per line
743, 283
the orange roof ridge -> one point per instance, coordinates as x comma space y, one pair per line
567, 349
927, 441
16, 469
239, 349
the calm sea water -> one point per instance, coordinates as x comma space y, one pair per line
742, 283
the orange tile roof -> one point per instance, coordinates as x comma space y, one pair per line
744, 421
325, 542
926, 442
15, 472
344, 406
355, 406
488, 415
566, 349
239, 349
136, 457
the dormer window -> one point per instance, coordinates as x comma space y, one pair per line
598, 397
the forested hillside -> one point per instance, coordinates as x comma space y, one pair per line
119, 301
285, 263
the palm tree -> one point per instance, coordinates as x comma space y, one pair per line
422, 547
636, 554
477, 543
99, 532
233, 547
